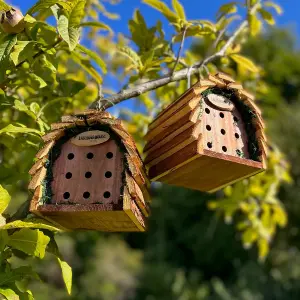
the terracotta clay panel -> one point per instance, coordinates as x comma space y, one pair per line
223, 131
88, 175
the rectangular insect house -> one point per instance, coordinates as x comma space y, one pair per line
89, 175
212, 136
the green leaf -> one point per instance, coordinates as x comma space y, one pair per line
23, 107
16, 129
3, 239
31, 223
4, 199
68, 22
163, 8
98, 25
93, 56
131, 54
267, 16
9, 294
71, 87
245, 62
178, 8
31, 242
277, 7
22, 51
46, 4
65, 268
87, 66
6, 45
39, 81
226, 9
10, 276
254, 24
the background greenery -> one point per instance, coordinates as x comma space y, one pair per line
198, 246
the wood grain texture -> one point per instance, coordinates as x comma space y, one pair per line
37, 165
53, 135
168, 133
235, 86
218, 81
176, 144
88, 182
99, 217
37, 178
220, 170
223, 131
225, 77
45, 150
188, 108
175, 161
171, 109
136, 194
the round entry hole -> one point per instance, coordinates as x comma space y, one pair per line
221, 115
109, 155
69, 175
88, 175
207, 110
209, 145
106, 195
71, 156
208, 128
223, 131
224, 149
86, 195
66, 195
108, 174
90, 155
236, 135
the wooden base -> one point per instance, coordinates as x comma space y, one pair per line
214, 171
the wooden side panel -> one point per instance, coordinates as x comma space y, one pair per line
168, 133
188, 108
175, 161
212, 171
88, 175
176, 144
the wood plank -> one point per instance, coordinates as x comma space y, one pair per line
225, 77
235, 86
53, 135
45, 150
212, 171
188, 108
168, 133
133, 212
55, 126
219, 82
37, 178
175, 161
136, 194
244, 95
172, 109
177, 143
205, 83
37, 165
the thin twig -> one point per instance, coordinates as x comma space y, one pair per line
180, 49
177, 76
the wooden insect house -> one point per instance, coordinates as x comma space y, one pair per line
212, 136
89, 175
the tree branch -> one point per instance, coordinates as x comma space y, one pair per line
180, 49
176, 76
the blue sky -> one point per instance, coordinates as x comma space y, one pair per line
195, 9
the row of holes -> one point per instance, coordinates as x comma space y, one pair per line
107, 174
90, 155
208, 127
86, 195
235, 119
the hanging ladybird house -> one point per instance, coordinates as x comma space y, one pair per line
212, 136
89, 175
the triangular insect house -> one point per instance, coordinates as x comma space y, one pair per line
212, 136
89, 175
